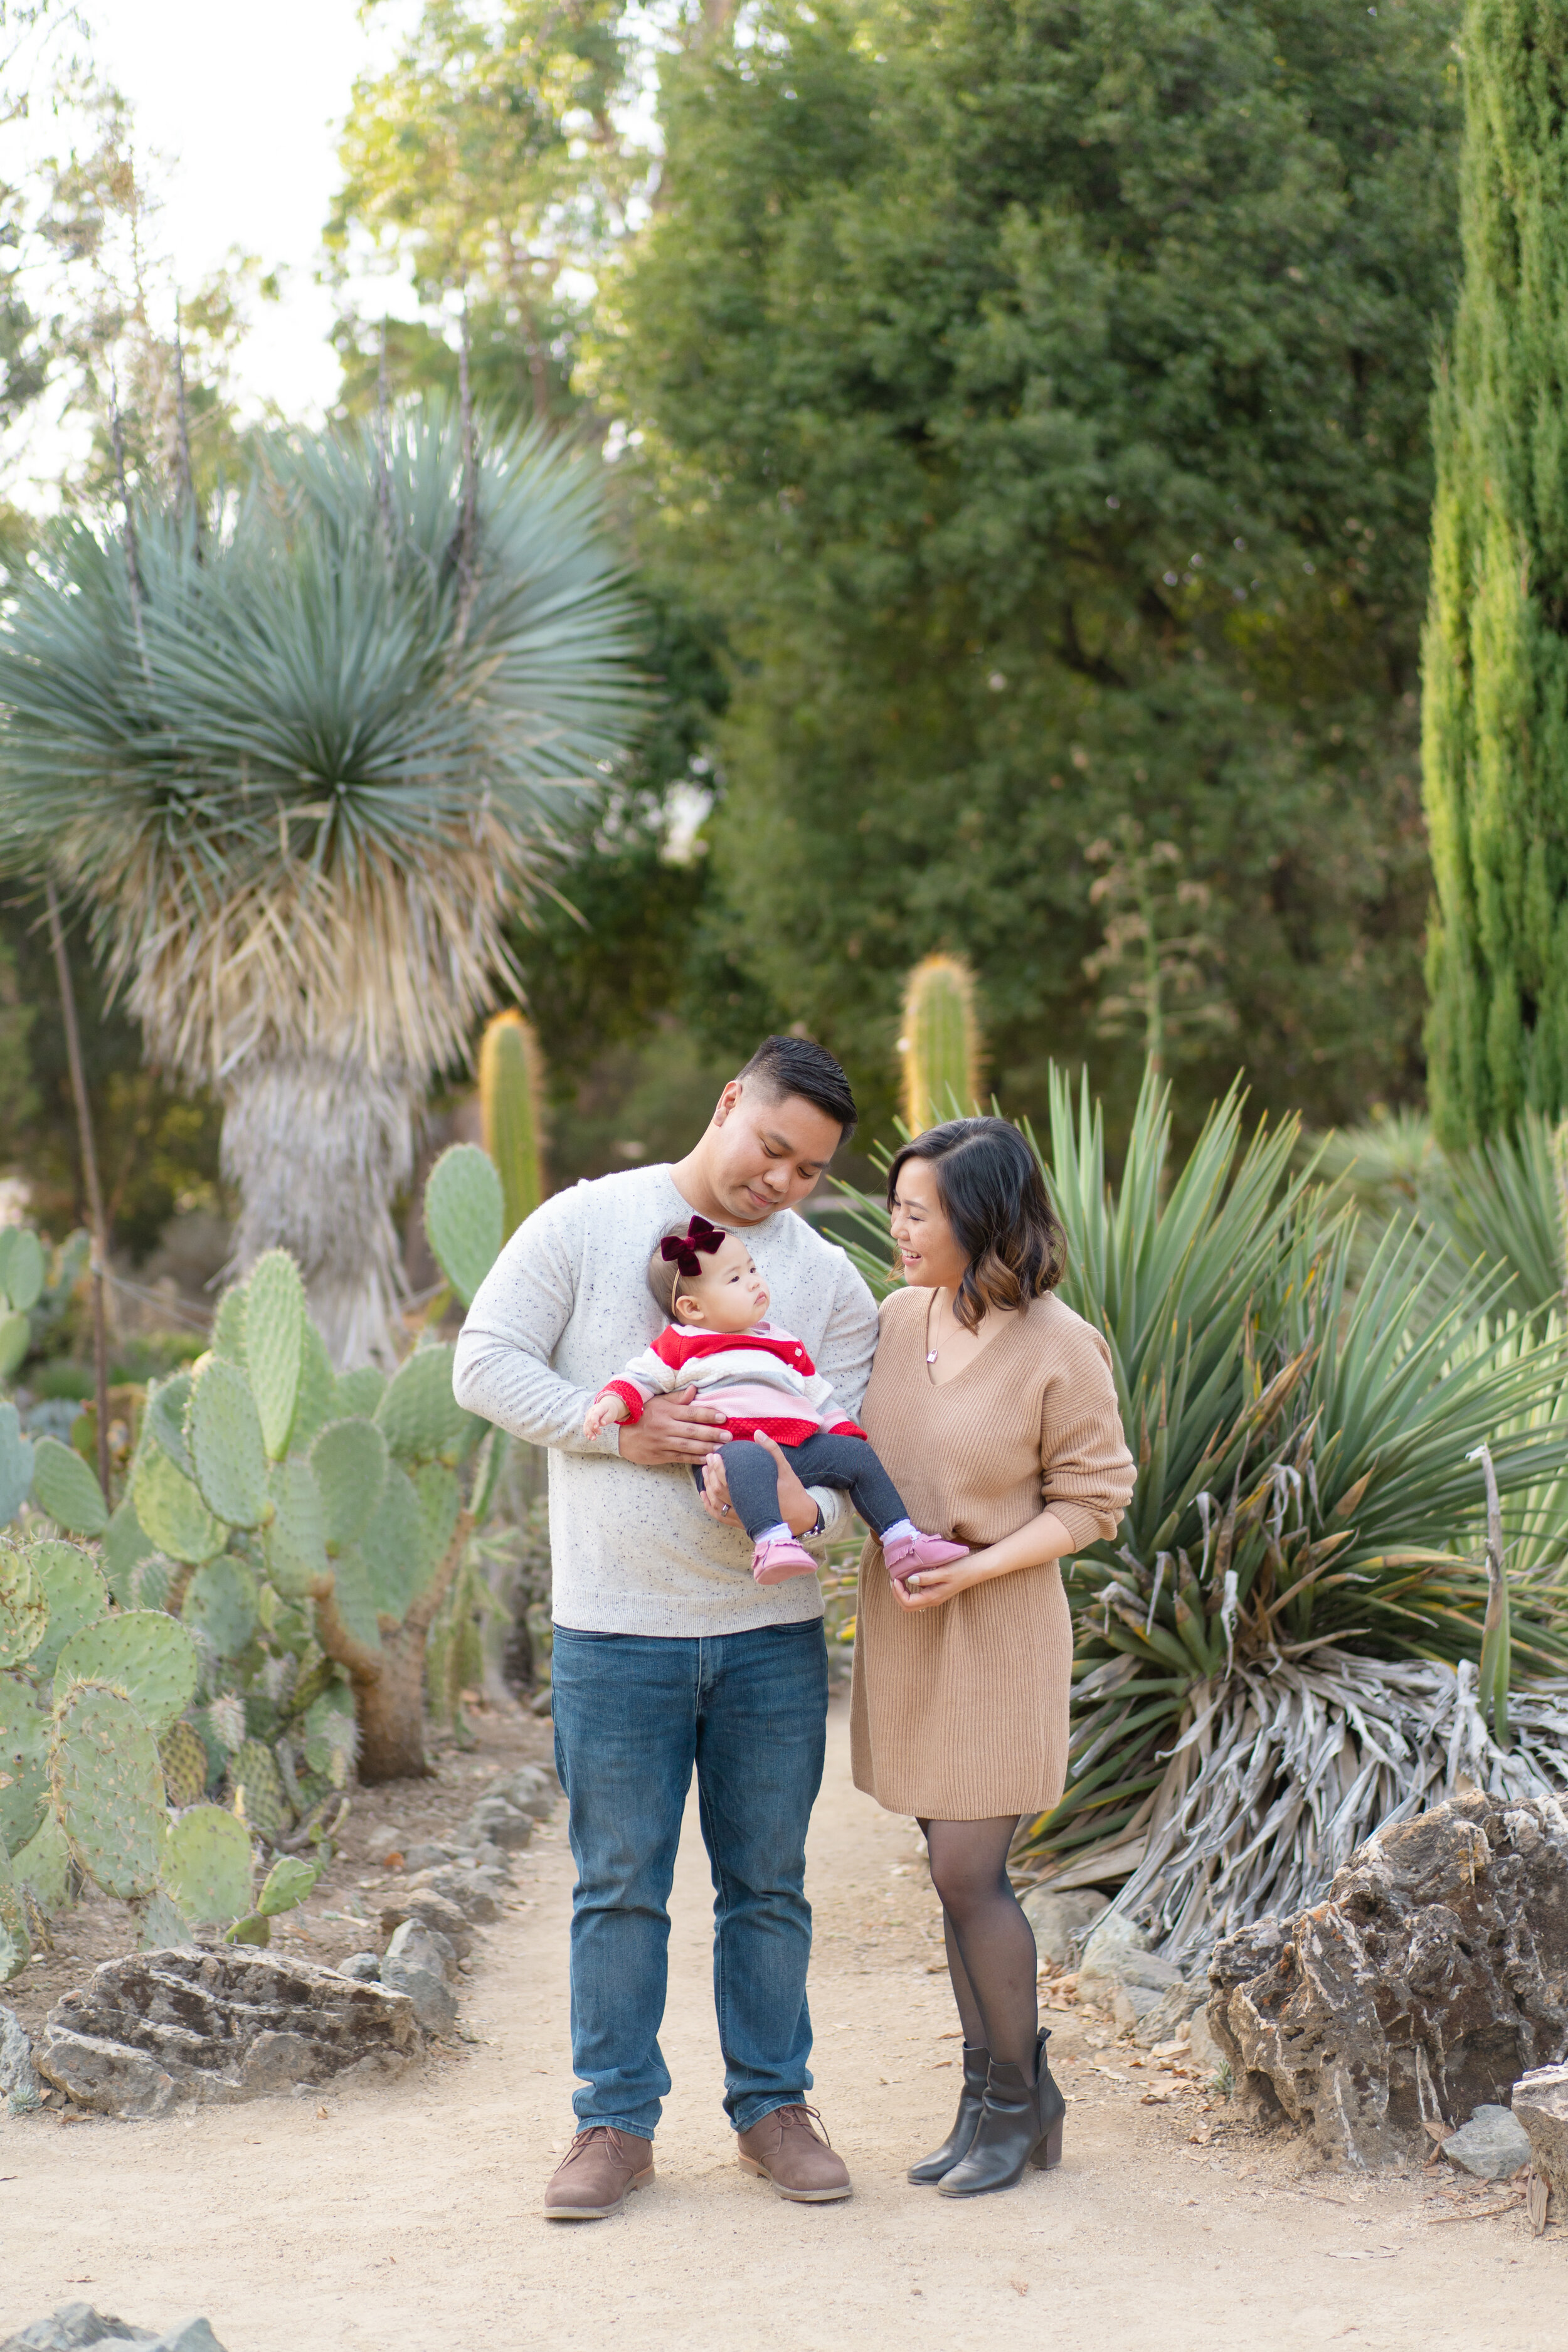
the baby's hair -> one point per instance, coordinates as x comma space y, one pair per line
664, 1275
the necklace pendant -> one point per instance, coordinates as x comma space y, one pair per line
932, 1357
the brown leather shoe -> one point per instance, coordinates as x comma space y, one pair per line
597, 2174
788, 2148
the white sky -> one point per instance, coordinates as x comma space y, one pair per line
242, 104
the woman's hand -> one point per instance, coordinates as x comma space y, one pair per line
935, 1585
1037, 1541
795, 1506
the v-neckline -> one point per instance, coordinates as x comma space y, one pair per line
963, 1370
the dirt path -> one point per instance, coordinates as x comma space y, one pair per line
405, 2219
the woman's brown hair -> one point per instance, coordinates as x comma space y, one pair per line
994, 1196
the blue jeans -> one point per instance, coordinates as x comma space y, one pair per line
633, 1714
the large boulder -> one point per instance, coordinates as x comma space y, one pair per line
215, 2027
76, 2325
1541, 2104
1434, 1975
1061, 1921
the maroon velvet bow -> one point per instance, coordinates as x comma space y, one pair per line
682, 1249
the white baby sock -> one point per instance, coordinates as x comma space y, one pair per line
777, 1533
900, 1530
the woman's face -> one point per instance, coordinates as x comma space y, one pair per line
931, 1257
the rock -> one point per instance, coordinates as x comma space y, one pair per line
418, 1947
216, 2027
1168, 2012
498, 1822
364, 1967
425, 1856
530, 1788
473, 1898
18, 2077
76, 2325
1492, 2145
1061, 1921
435, 2007
488, 1856
384, 1841
424, 1904
1541, 2104
1204, 2053
1116, 1955
1432, 1978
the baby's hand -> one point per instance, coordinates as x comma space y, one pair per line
603, 1413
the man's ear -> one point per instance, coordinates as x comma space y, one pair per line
727, 1100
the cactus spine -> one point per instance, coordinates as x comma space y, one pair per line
511, 1102
940, 1042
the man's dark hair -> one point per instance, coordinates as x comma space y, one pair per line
798, 1065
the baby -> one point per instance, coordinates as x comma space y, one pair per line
718, 1342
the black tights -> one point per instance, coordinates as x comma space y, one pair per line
991, 1954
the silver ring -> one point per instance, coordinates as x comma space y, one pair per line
725, 1508
914, 1583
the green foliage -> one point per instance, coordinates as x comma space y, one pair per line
143, 1653
940, 1044
465, 1216
418, 1415
220, 1603
170, 1509
21, 1267
24, 1610
274, 1345
24, 1763
207, 1866
65, 1488
16, 1464
1039, 394
350, 1462
74, 1593
108, 1788
223, 1435
1496, 668
185, 1768
288, 1882
510, 1107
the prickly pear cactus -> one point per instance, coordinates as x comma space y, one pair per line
65, 1488
170, 1509
75, 1594
44, 1865
274, 1345
356, 1394
184, 1757
24, 1610
355, 1598
318, 1386
126, 1543
420, 1418
164, 1928
222, 1438
221, 1603
295, 1542
259, 1796
229, 1326
108, 1788
15, 1335
350, 1461
16, 1944
463, 1216
207, 1866
164, 1422
24, 1762
21, 1268
393, 1546
288, 1882
148, 1655
16, 1464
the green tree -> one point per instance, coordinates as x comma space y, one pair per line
1040, 393
1496, 658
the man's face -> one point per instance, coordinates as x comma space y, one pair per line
762, 1156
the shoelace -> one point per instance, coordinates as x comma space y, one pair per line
584, 2140
813, 2121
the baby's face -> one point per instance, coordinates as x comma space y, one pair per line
729, 1295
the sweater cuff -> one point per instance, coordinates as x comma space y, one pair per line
1085, 1524
630, 1396
847, 1429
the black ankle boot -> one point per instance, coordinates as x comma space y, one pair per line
1018, 2125
976, 2069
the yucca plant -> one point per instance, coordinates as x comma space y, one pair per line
297, 768
1307, 1520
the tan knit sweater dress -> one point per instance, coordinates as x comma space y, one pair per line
960, 1713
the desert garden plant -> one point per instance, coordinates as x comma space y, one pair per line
297, 767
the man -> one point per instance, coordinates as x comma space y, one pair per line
667, 1656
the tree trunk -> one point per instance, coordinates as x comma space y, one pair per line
319, 1148
389, 1683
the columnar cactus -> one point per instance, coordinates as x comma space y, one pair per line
511, 1106
940, 1042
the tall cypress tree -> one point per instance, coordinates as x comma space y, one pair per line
1495, 720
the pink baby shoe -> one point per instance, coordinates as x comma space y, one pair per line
772, 1562
917, 1551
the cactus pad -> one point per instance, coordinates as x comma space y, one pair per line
165, 1425
125, 1542
66, 1489
288, 1882
21, 1266
207, 1866
44, 1865
257, 1786
313, 1405
24, 1610
220, 1602
171, 1512
16, 1944
16, 1464
355, 1600
465, 1216
146, 1654
393, 1546
24, 1763
419, 1417
183, 1753
349, 1459
164, 1926
223, 1436
436, 1492
229, 1326
274, 1344
295, 1543
356, 1394
108, 1788
15, 1335
68, 1578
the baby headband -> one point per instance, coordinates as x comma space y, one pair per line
682, 1249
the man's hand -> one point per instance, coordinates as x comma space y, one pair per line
796, 1508
672, 1429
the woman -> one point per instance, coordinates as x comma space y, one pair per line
993, 1408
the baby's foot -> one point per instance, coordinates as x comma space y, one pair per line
779, 1556
904, 1554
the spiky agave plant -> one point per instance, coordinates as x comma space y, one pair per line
297, 771
1300, 1562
